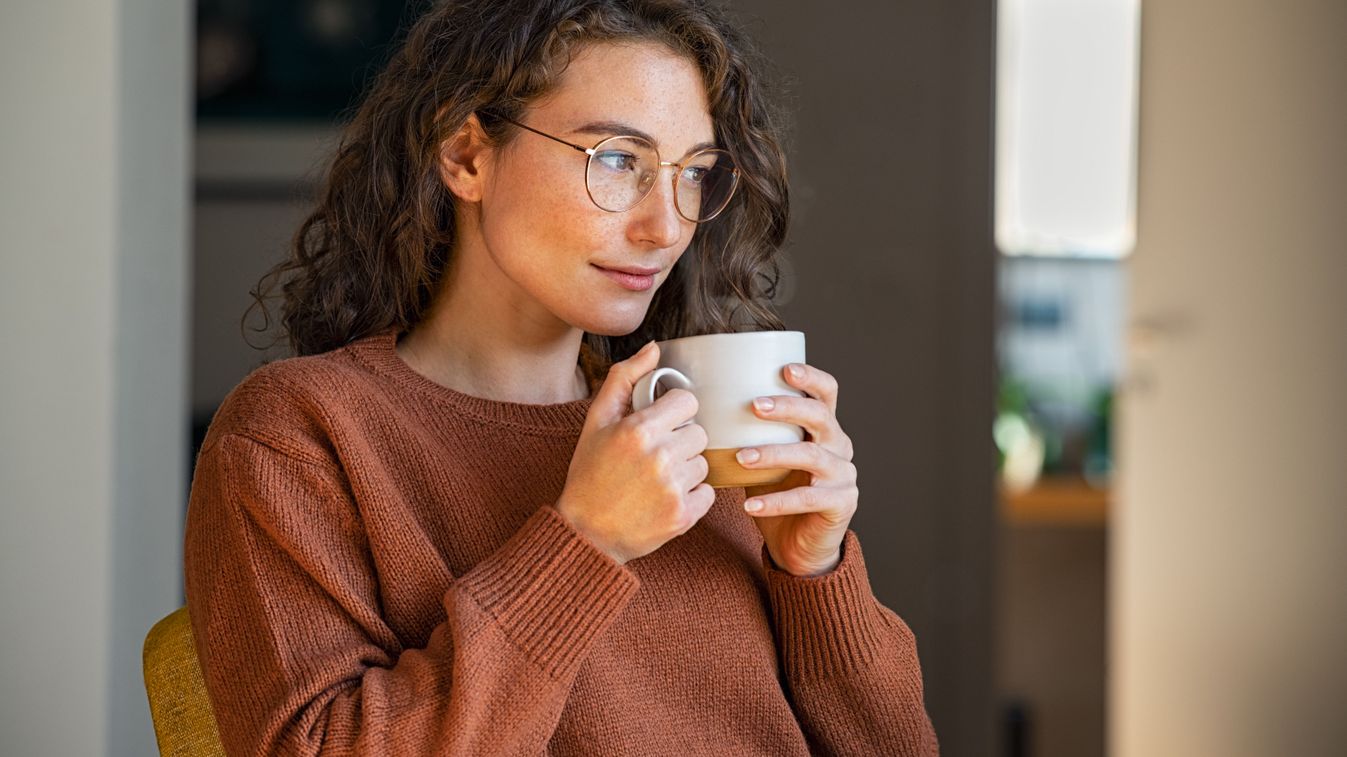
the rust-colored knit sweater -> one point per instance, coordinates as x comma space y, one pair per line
374, 566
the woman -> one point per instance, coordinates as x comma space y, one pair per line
441, 529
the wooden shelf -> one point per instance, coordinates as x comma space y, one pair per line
1056, 501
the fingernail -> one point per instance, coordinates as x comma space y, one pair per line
764, 403
647, 347
747, 455
796, 370
752, 505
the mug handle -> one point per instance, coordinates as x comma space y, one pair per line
643, 393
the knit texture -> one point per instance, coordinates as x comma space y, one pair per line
374, 566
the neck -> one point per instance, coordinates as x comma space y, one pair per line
481, 339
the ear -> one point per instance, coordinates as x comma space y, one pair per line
463, 158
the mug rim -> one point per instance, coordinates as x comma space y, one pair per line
732, 334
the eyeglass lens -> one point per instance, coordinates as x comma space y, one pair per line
623, 170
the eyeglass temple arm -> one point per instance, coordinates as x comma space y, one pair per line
581, 148
573, 146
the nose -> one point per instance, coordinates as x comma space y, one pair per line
655, 220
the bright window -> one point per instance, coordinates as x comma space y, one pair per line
1066, 127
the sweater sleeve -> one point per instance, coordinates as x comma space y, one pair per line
297, 658
850, 662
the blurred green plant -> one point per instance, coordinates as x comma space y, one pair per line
1023, 420
1018, 434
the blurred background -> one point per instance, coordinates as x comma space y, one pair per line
1078, 266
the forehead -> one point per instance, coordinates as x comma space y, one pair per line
644, 84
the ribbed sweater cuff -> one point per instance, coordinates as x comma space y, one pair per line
552, 590
826, 624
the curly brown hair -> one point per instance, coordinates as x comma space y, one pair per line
371, 254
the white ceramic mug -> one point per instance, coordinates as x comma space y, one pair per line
726, 372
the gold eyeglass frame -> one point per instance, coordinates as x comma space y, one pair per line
592, 151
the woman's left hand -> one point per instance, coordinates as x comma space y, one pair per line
804, 518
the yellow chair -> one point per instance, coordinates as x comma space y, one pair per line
184, 723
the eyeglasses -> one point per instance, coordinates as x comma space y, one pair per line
622, 170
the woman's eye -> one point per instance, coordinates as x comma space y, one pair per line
617, 161
695, 174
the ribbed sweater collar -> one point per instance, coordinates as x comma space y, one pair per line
377, 353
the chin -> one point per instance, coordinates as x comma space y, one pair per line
607, 327
612, 322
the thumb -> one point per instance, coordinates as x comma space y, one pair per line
613, 400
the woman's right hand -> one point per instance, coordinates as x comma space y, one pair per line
636, 480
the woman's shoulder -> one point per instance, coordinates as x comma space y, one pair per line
292, 403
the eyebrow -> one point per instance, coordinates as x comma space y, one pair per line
627, 130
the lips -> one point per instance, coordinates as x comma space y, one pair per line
635, 282
633, 270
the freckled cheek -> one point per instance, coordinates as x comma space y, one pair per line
575, 236
536, 217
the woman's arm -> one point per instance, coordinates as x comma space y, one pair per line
850, 662
293, 645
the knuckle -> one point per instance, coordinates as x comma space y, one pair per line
816, 453
686, 518
683, 397
673, 504
809, 497
637, 434
850, 471
708, 495
829, 383
663, 461
702, 437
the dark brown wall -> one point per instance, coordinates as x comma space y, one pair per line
894, 266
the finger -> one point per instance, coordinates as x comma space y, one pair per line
810, 413
673, 409
690, 440
814, 382
613, 400
693, 473
827, 469
837, 505
699, 502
